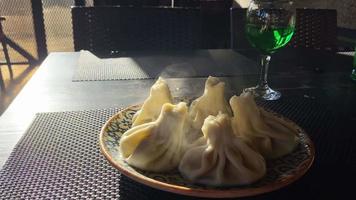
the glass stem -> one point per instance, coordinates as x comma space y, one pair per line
264, 71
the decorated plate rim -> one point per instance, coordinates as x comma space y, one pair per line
301, 169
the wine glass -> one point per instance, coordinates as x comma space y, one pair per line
270, 25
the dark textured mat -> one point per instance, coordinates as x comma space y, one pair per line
59, 158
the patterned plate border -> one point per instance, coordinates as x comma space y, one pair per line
140, 176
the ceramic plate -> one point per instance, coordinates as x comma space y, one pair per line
280, 172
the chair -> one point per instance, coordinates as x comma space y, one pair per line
132, 2
216, 20
103, 30
315, 29
215, 4
187, 3
238, 38
2, 84
6, 52
5, 42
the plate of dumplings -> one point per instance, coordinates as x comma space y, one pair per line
208, 147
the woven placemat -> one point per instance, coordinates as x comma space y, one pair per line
92, 68
59, 158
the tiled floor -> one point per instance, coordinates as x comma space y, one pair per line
22, 73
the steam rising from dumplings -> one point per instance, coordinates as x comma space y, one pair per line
224, 159
269, 135
151, 108
157, 146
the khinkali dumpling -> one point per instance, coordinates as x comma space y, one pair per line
157, 146
224, 159
210, 103
151, 108
268, 134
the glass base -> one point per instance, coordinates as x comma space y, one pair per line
265, 93
353, 74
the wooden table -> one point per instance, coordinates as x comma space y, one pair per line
51, 88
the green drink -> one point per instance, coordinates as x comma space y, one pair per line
269, 26
268, 39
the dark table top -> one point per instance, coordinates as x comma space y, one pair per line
321, 76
